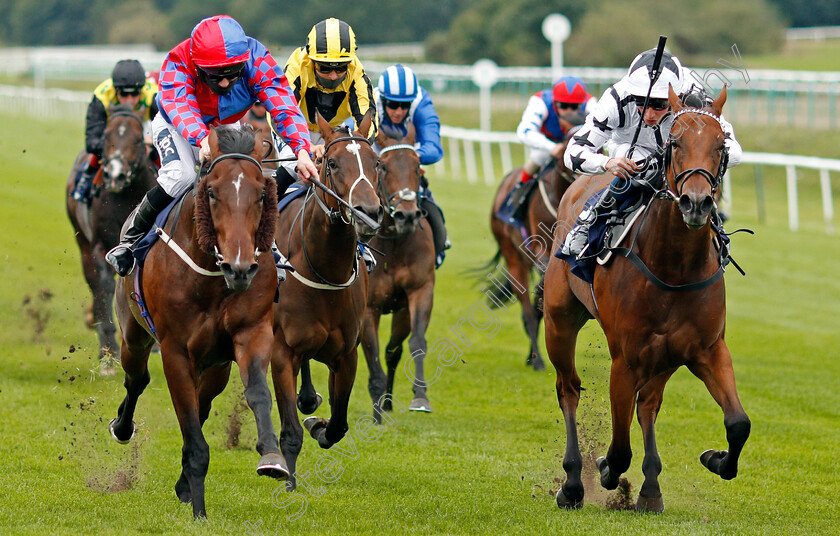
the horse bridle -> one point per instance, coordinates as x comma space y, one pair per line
405, 194
680, 178
134, 166
206, 171
353, 148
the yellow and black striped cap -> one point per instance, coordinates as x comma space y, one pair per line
331, 40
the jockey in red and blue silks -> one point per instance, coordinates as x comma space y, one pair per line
210, 79
541, 127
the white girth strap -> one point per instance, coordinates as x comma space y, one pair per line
544, 196
320, 286
183, 254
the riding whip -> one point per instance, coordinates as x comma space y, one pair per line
654, 75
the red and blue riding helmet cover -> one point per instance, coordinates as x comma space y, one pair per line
218, 41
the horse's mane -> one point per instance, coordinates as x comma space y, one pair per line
391, 132
235, 140
114, 108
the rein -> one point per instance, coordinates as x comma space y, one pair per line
667, 194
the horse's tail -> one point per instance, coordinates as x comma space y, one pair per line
494, 293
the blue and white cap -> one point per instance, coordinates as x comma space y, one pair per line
398, 83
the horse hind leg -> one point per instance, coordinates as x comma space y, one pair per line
719, 378
560, 340
647, 408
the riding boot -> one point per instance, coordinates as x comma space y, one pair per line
367, 256
284, 179
84, 183
438, 224
139, 222
578, 237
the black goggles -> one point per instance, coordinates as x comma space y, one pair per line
128, 91
654, 104
567, 105
229, 72
327, 68
397, 105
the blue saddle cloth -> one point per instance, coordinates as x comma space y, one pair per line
142, 248
584, 267
292, 192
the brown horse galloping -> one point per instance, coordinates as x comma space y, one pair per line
653, 326
403, 282
322, 303
521, 254
205, 322
127, 175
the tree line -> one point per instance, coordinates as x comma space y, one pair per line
605, 32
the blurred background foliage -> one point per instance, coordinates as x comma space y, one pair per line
605, 32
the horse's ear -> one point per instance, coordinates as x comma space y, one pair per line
258, 144
411, 133
381, 138
674, 100
717, 105
367, 121
323, 125
214, 143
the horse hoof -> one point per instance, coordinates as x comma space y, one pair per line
566, 503
114, 434
420, 404
309, 410
538, 364
713, 461
650, 504
313, 423
273, 465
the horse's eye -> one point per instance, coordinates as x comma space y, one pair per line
262, 196
210, 194
331, 163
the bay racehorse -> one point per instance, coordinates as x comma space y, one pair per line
127, 174
208, 292
526, 253
656, 322
403, 282
321, 304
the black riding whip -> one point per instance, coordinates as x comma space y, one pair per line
654, 75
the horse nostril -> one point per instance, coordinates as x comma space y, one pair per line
399, 215
252, 270
685, 204
227, 269
417, 215
707, 204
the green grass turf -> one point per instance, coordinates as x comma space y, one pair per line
485, 461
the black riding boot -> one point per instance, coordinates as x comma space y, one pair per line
438, 224
284, 179
139, 222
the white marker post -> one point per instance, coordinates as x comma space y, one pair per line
485, 74
556, 28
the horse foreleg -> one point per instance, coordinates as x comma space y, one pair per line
330, 432
647, 408
136, 344
622, 401
420, 311
253, 350
716, 372
195, 454
400, 329
285, 384
560, 339
308, 400
370, 347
